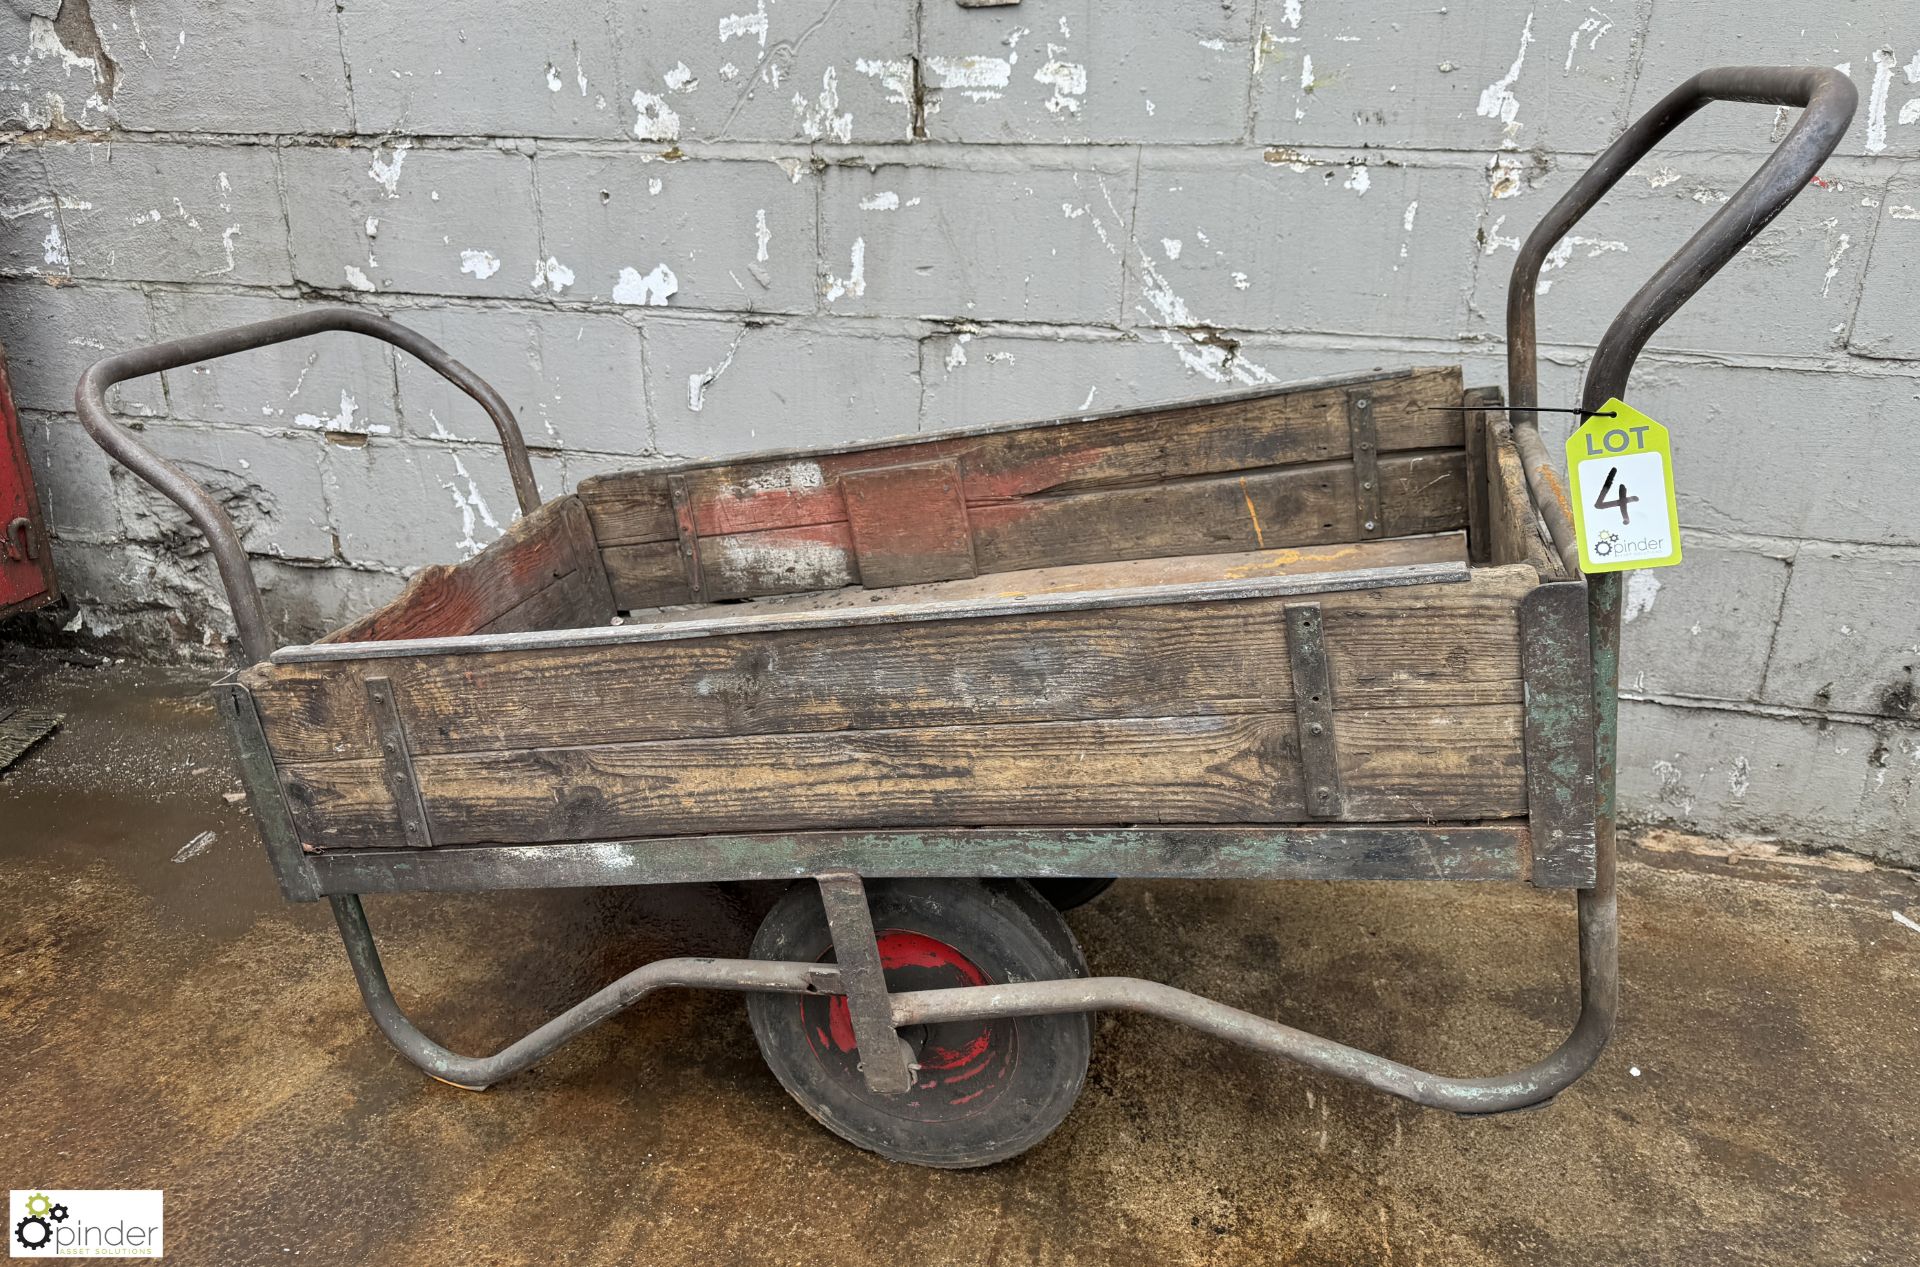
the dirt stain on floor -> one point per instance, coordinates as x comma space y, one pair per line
176, 1025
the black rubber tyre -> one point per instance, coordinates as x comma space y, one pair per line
987, 1090
1067, 894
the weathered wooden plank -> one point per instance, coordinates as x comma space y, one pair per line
646, 574
1283, 427
1308, 425
574, 601
533, 553
1124, 574
1481, 400
1517, 535
805, 496
628, 507
1424, 645
909, 524
1436, 764
590, 579
1322, 851
778, 561
1289, 506
1506, 498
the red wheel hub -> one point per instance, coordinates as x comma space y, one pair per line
962, 1064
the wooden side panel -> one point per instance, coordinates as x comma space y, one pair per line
1304, 505
1479, 424
1515, 534
1432, 645
646, 574
1152, 714
629, 507
744, 516
1436, 763
503, 587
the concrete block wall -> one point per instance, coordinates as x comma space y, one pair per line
711, 226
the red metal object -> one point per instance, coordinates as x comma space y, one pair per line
26, 561
957, 1063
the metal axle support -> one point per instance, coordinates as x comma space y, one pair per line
876, 1015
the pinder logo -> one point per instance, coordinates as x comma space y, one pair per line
85, 1223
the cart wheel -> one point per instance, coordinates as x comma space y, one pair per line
986, 1090
1067, 894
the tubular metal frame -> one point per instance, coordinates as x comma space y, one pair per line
1828, 98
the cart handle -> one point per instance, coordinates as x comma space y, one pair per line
243, 592
1829, 98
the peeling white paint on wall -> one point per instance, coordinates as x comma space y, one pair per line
56, 250
1883, 61
976, 78
885, 200
1642, 588
358, 279
895, 75
855, 282
651, 291
1739, 777
817, 118
552, 274
386, 172
741, 25
1563, 251
762, 235
1496, 99
1290, 14
680, 78
1170, 247
346, 420
1359, 179
697, 384
655, 120
482, 264
1841, 244
44, 43
472, 508
1598, 24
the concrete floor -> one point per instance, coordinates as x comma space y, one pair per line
171, 1023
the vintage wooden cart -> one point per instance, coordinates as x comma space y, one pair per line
1327, 631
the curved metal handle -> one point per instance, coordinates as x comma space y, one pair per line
22, 528
243, 593
1829, 98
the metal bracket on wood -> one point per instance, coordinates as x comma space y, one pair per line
884, 1058
689, 535
1365, 438
299, 881
1313, 708
1556, 658
398, 759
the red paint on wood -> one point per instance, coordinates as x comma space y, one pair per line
909, 524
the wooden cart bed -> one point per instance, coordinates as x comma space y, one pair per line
1300, 604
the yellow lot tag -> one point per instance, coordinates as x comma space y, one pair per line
1624, 513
